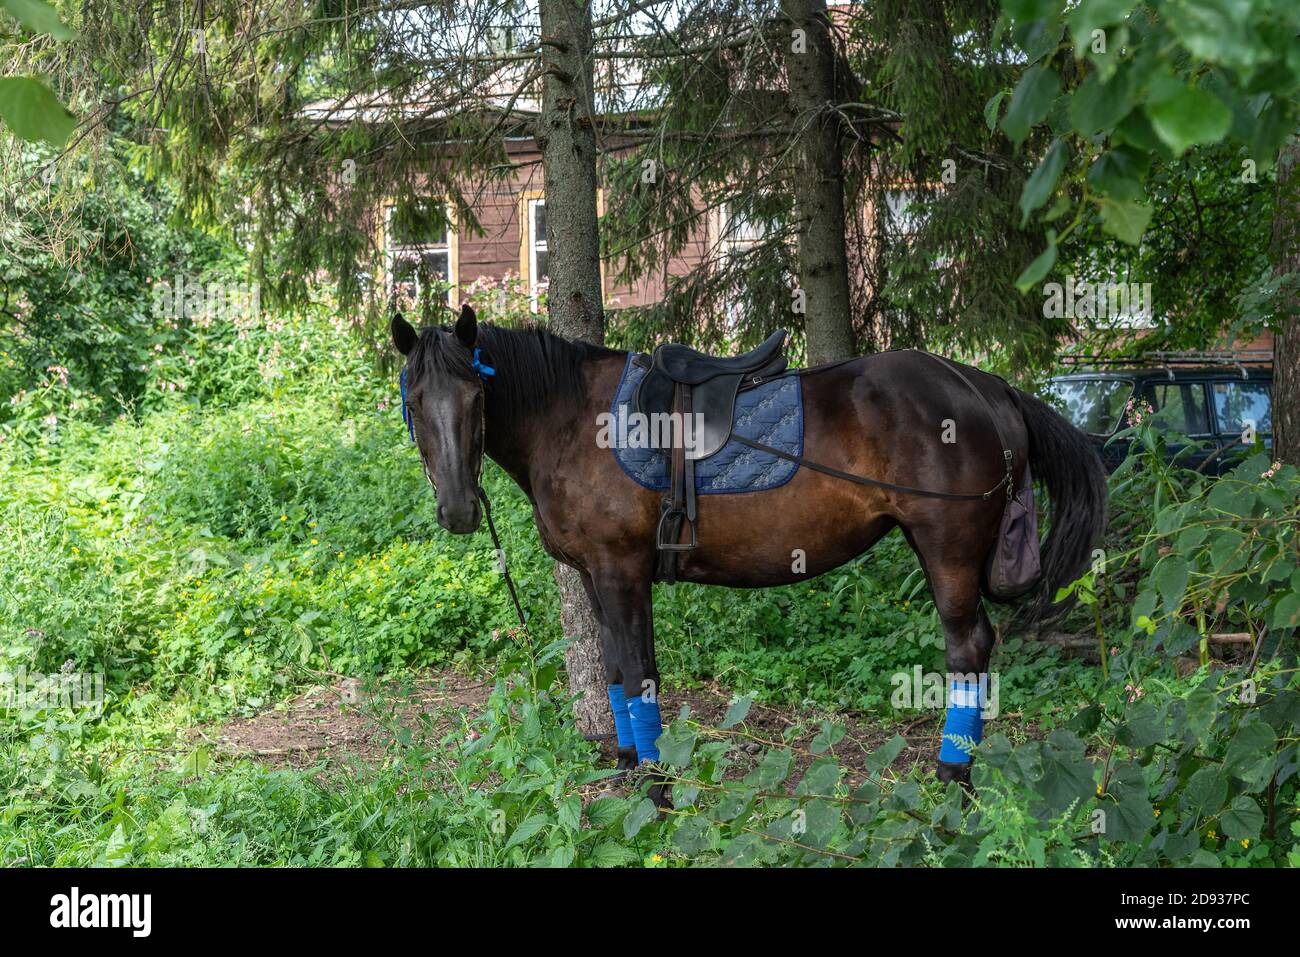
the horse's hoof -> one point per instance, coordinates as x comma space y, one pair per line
952, 771
661, 796
626, 759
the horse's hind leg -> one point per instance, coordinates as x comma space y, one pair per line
954, 576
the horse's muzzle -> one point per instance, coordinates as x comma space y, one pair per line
460, 519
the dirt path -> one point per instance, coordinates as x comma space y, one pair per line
341, 723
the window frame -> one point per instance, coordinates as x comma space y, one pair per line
529, 200
392, 251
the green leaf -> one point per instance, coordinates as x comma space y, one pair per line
1286, 613
196, 762
774, 768
1143, 727
1118, 173
529, 828
738, 711
1040, 267
1030, 102
39, 17
1128, 820
1219, 31
821, 778
1191, 117
29, 109
1097, 105
1205, 792
1068, 775
570, 812
1170, 579
742, 852
611, 854
676, 744
1027, 11
605, 811
1042, 182
692, 835
991, 109
1250, 753
1201, 707
829, 736
641, 814
1093, 14
1126, 221
884, 756
1243, 819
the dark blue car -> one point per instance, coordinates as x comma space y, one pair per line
1221, 405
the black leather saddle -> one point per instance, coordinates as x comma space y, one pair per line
701, 389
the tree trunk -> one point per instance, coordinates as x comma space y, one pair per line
1286, 332
819, 185
567, 140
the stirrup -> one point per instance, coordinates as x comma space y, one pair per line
665, 546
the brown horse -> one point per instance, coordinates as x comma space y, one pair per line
532, 401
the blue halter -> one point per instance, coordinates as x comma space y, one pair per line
484, 371
406, 413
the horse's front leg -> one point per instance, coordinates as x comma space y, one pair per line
626, 608
609, 656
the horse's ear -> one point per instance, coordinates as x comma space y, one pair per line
404, 334
467, 327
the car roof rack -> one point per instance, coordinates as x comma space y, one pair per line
1238, 358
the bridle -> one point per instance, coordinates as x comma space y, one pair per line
485, 372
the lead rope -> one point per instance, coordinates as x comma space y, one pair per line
501, 559
483, 372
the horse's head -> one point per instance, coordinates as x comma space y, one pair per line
444, 403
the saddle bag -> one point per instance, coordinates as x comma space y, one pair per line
1014, 565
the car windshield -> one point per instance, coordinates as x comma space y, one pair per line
1094, 405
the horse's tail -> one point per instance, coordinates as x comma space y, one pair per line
1066, 463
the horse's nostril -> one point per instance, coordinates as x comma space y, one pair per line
442, 515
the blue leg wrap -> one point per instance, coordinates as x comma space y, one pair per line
964, 723
622, 720
646, 727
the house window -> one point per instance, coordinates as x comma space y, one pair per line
904, 213
420, 249
740, 231
537, 260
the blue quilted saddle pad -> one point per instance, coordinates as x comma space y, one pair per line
771, 413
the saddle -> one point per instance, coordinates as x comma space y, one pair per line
701, 389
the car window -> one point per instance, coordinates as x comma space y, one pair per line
1181, 407
1237, 404
1093, 405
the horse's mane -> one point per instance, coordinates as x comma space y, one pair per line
534, 367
